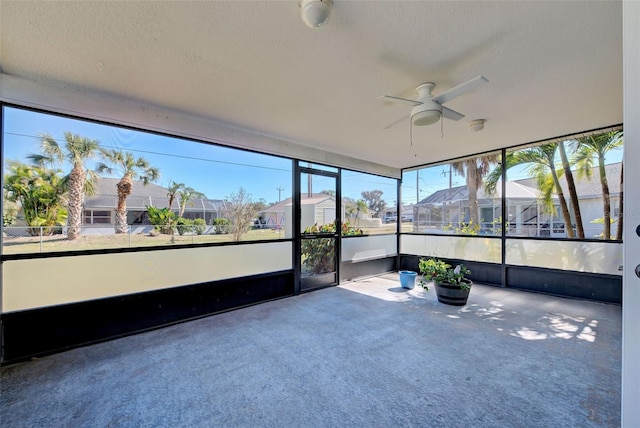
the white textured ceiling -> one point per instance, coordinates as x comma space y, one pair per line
554, 67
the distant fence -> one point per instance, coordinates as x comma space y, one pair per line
22, 239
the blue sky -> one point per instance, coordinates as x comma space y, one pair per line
434, 178
214, 170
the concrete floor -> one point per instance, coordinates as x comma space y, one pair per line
365, 354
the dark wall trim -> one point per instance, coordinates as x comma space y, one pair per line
580, 285
44, 331
350, 271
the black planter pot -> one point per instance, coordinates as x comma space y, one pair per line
452, 294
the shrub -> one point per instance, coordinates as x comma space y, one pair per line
222, 225
162, 218
199, 226
463, 228
183, 225
318, 254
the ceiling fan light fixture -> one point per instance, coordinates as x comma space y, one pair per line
426, 113
315, 13
476, 125
425, 117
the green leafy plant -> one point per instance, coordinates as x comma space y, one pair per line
463, 228
222, 225
183, 225
199, 226
40, 193
162, 218
441, 272
318, 254
496, 226
8, 220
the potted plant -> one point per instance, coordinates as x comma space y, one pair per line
452, 285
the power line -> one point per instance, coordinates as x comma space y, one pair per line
172, 155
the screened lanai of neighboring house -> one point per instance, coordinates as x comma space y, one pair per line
99, 209
450, 207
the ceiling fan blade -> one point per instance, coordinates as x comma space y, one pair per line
451, 114
456, 91
395, 122
399, 100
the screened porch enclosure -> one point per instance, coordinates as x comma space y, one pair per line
250, 232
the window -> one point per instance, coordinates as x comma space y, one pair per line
555, 190
96, 217
193, 192
369, 203
455, 198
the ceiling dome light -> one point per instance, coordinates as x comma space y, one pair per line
315, 13
476, 125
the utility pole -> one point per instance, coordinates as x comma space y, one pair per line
417, 186
279, 189
444, 173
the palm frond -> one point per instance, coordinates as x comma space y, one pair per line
91, 182
50, 147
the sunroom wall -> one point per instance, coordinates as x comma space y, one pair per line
126, 287
106, 264
507, 253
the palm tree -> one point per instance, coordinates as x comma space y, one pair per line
80, 181
571, 187
620, 205
173, 190
188, 194
130, 168
541, 161
184, 193
474, 170
360, 207
596, 147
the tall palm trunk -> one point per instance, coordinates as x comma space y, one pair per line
573, 194
620, 205
606, 198
472, 189
124, 187
563, 203
76, 196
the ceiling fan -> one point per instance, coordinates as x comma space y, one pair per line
428, 109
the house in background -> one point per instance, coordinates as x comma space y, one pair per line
99, 209
525, 213
590, 198
317, 208
450, 207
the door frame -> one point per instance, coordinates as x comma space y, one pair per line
300, 169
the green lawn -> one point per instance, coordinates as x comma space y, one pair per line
55, 243
93, 242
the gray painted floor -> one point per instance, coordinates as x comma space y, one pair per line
365, 354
